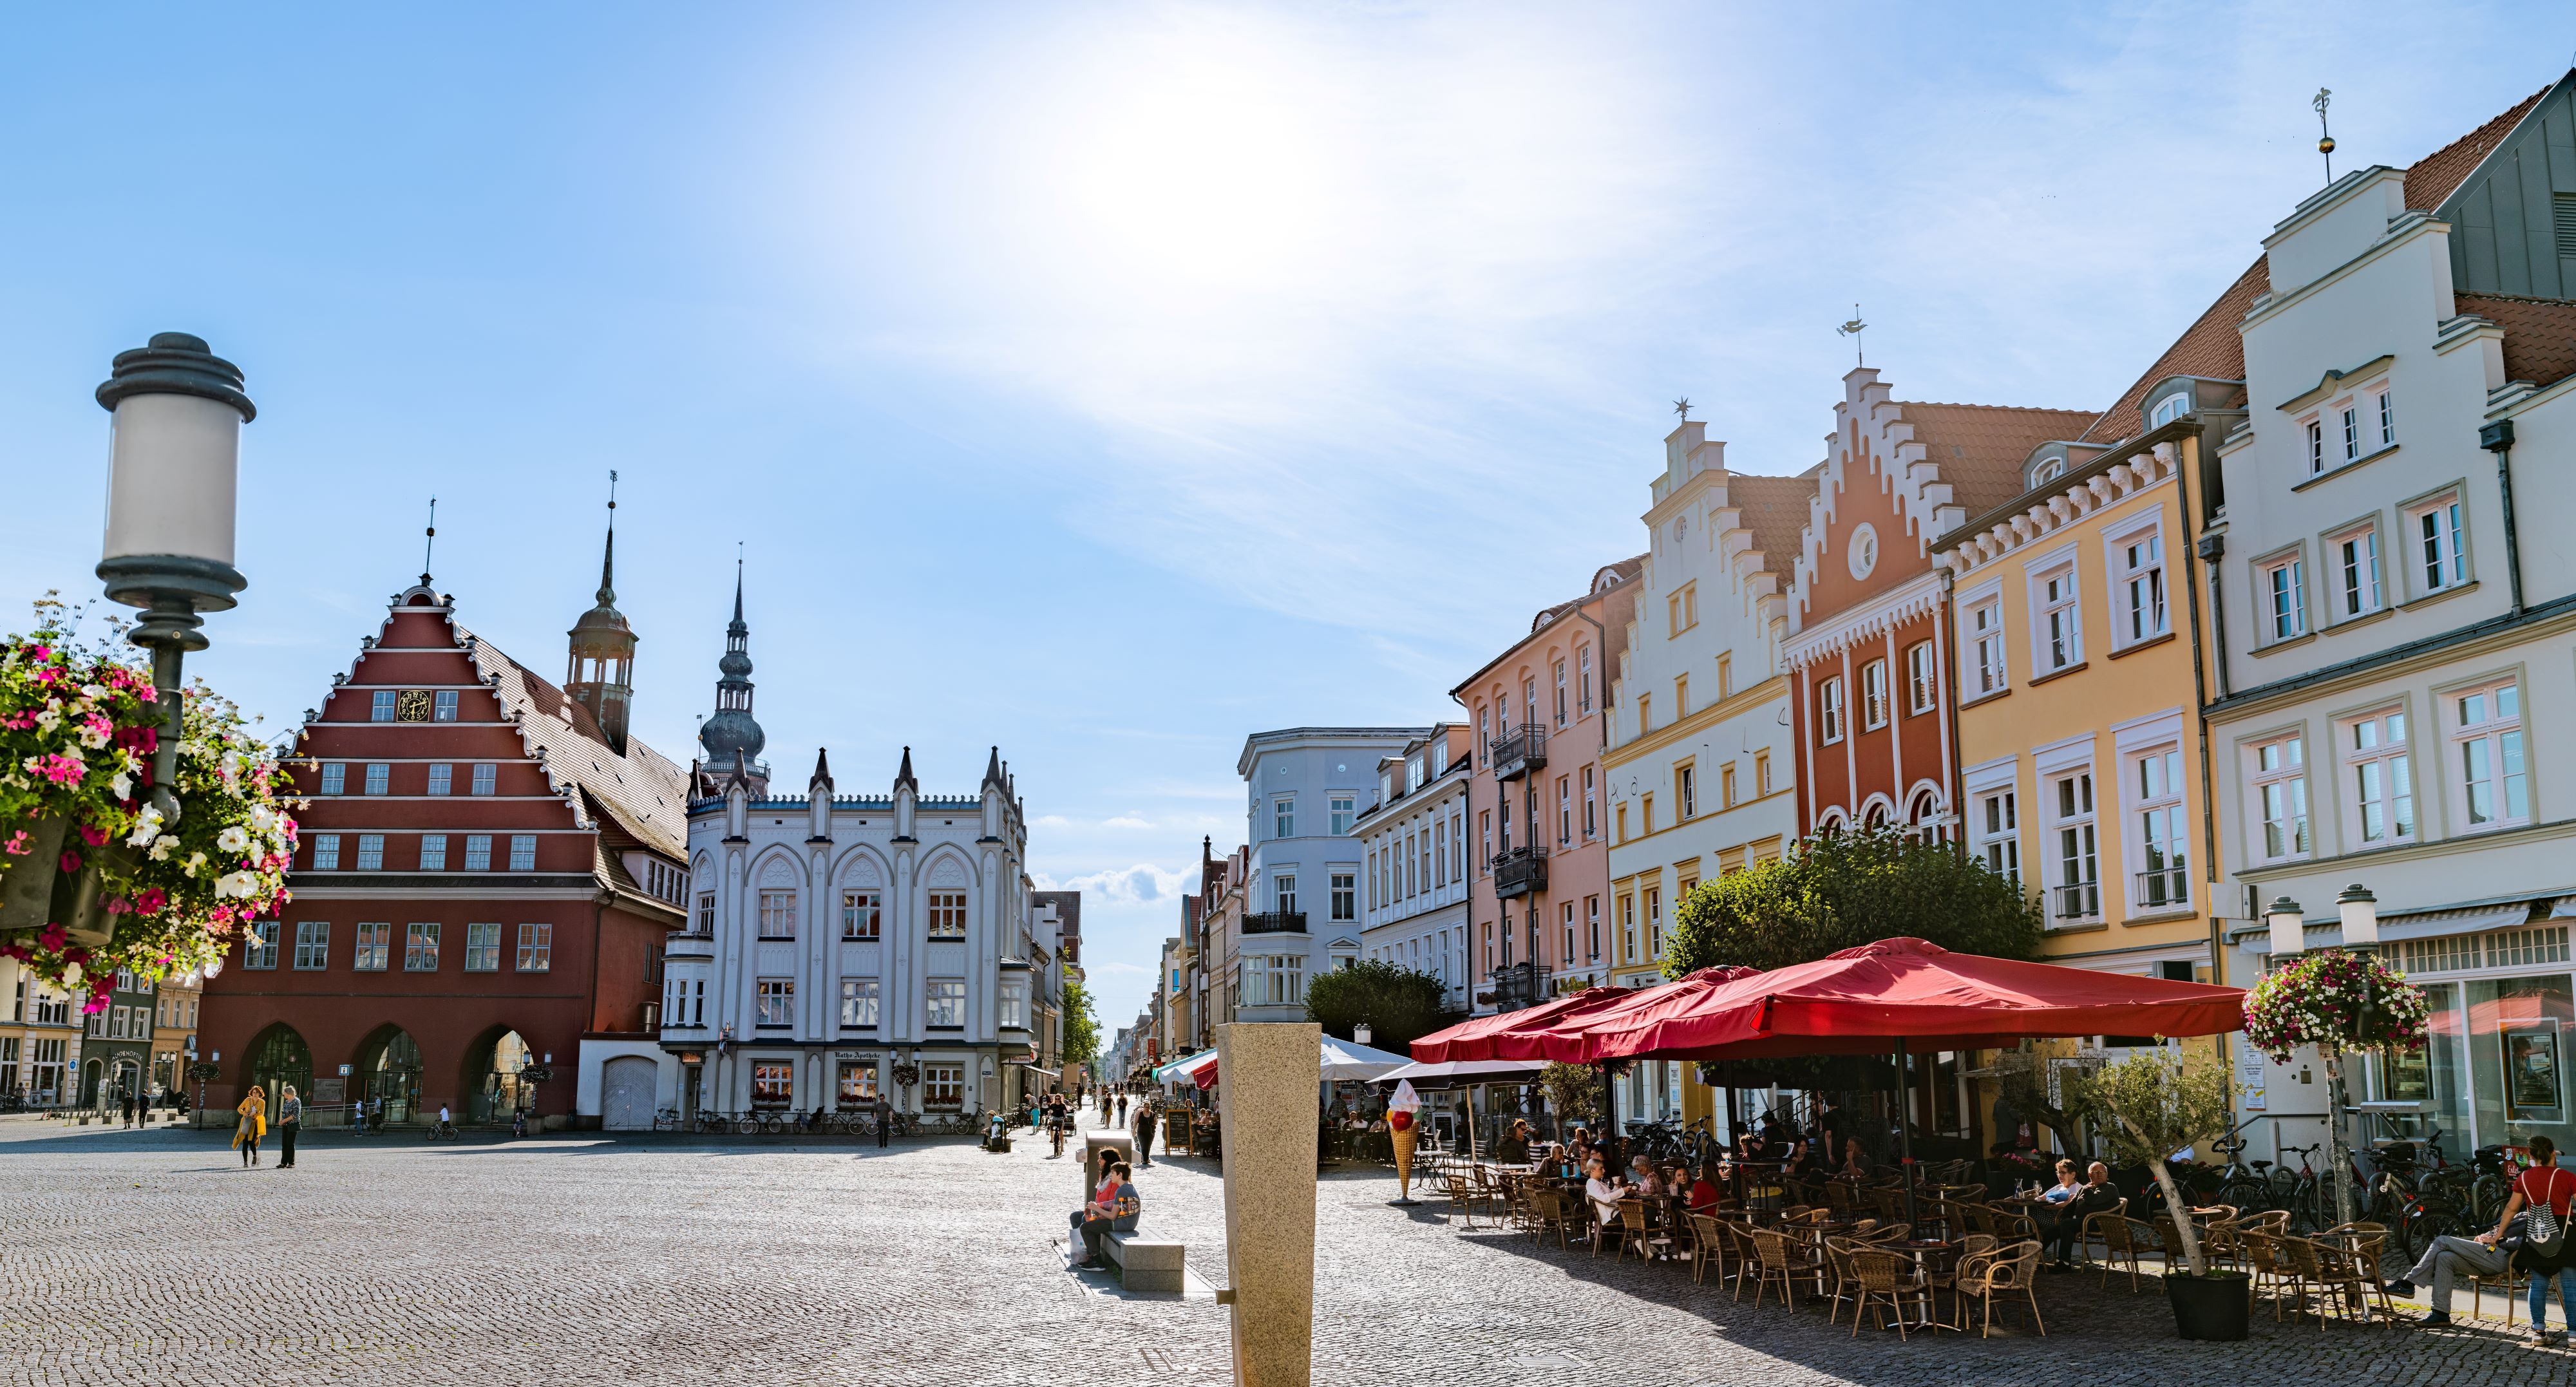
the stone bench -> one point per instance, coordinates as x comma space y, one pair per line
1145, 1264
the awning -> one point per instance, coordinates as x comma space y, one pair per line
1172, 1073
1473, 1038
1345, 1060
1461, 1073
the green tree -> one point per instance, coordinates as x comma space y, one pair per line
1399, 1004
2155, 1103
1839, 890
1081, 1028
1573, 1093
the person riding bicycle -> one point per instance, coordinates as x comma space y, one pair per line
446, 1127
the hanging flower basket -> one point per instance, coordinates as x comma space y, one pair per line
2337, 1000
92, 879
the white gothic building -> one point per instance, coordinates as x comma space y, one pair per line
840, 945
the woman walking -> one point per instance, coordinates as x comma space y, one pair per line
290, 1120
254, 1125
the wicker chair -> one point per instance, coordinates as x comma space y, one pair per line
1550, 1208
2301, 1264
1889, 1203
1709, 1244
1465, 1194
1838, 1197
1778, 1261
1634, 1232
2270, 1266
1886, 1281
2118, 1234
1838, 1275
2002, 1274
2348, 1265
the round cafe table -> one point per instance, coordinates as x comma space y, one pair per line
1930, 1256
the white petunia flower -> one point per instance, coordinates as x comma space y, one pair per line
147, 826
235, 884
163, 846
72, 975
195, 860
232, 839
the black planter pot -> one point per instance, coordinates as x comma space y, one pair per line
2211, 1307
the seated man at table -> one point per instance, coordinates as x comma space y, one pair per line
1514, 1148
1855, 1164
1604, 1191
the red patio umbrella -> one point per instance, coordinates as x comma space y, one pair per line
1471, 1039
1860, 1000
1568, 1038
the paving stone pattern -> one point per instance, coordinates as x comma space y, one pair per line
151, 1258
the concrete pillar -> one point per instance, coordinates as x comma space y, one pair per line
1267, 1077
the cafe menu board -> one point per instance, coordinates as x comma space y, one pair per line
2531, 1079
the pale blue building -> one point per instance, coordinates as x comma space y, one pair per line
1305, 787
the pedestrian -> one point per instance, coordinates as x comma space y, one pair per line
2544, 1188
1122, 1110
253, 1126
1145, 1135
885, 1120
129, 1107
290, 1121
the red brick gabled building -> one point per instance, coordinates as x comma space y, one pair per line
487, 871
1867, 653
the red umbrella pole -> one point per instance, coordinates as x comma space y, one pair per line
1905, 1138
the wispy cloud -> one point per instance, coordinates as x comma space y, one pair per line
1141, 883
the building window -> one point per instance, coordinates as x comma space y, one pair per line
482, 948
858, 1083
1283, 817
859, 1004
2351, 421
777, 1002
379, 777
1344, 808
2139, 562
1681, 610
1278, 979
523, 852
433, 852
335, 778
259, 950
1829, 710
946, 999
374, 946
706, 914
1999, 833
380, 706
2487, 732
1457, 847
2357, 571
420, 947
2156, 780
1591, 820
1346, 896
1283, 893
2281, 796
536, 948
943, 1087
1986, 640
2284, 586
777, 914
1922, 684
2384, 406
2061, 625
2441, 559
773, 1084
1654, 922
1591, 928
1564, 810
441, 777
1011, 1005
478, 852
860, 914
2316, 431
1646, 812
371, 852
947, 914
1561, 707
483, 776
2379, 770
326, 852
2078, 893
446, 706
1873, 695
1686, 790
312, 945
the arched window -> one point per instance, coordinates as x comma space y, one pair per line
2048, 471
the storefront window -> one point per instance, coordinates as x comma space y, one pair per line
2516, 1038
858, 1082
773, 1085
2436, 1076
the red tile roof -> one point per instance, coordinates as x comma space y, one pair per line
1775, 510
643, 791
1979, 449
2211, 347
2539, 334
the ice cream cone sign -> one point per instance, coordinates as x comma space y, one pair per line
1400, 1125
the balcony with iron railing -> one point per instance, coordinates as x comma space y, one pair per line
1520, 985
1518, 751
1275, 922
2166, 888
1519, 872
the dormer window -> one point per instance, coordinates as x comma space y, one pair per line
2048, 471
2168, 409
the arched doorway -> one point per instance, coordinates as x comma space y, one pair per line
90, 1080
497, 1082
279, 1057
389, 1073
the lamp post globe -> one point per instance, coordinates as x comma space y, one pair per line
2360, 913
2288, 926
174, 470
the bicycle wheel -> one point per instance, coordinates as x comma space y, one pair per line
2245, 1194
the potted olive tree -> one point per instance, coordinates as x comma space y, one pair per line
2149, 1106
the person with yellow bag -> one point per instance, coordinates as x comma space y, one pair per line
1404, 1131
254, 1125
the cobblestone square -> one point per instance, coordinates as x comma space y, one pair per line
152, 1258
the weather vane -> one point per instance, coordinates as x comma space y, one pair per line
1853, 330
2325, 138
1682, 406
429, 541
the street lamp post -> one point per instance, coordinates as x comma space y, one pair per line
2358, 911
173, 477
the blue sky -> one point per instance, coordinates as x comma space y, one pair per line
1103, 381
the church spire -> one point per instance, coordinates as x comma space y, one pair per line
733, 733
600, 675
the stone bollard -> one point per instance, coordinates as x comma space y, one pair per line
1267, 1074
